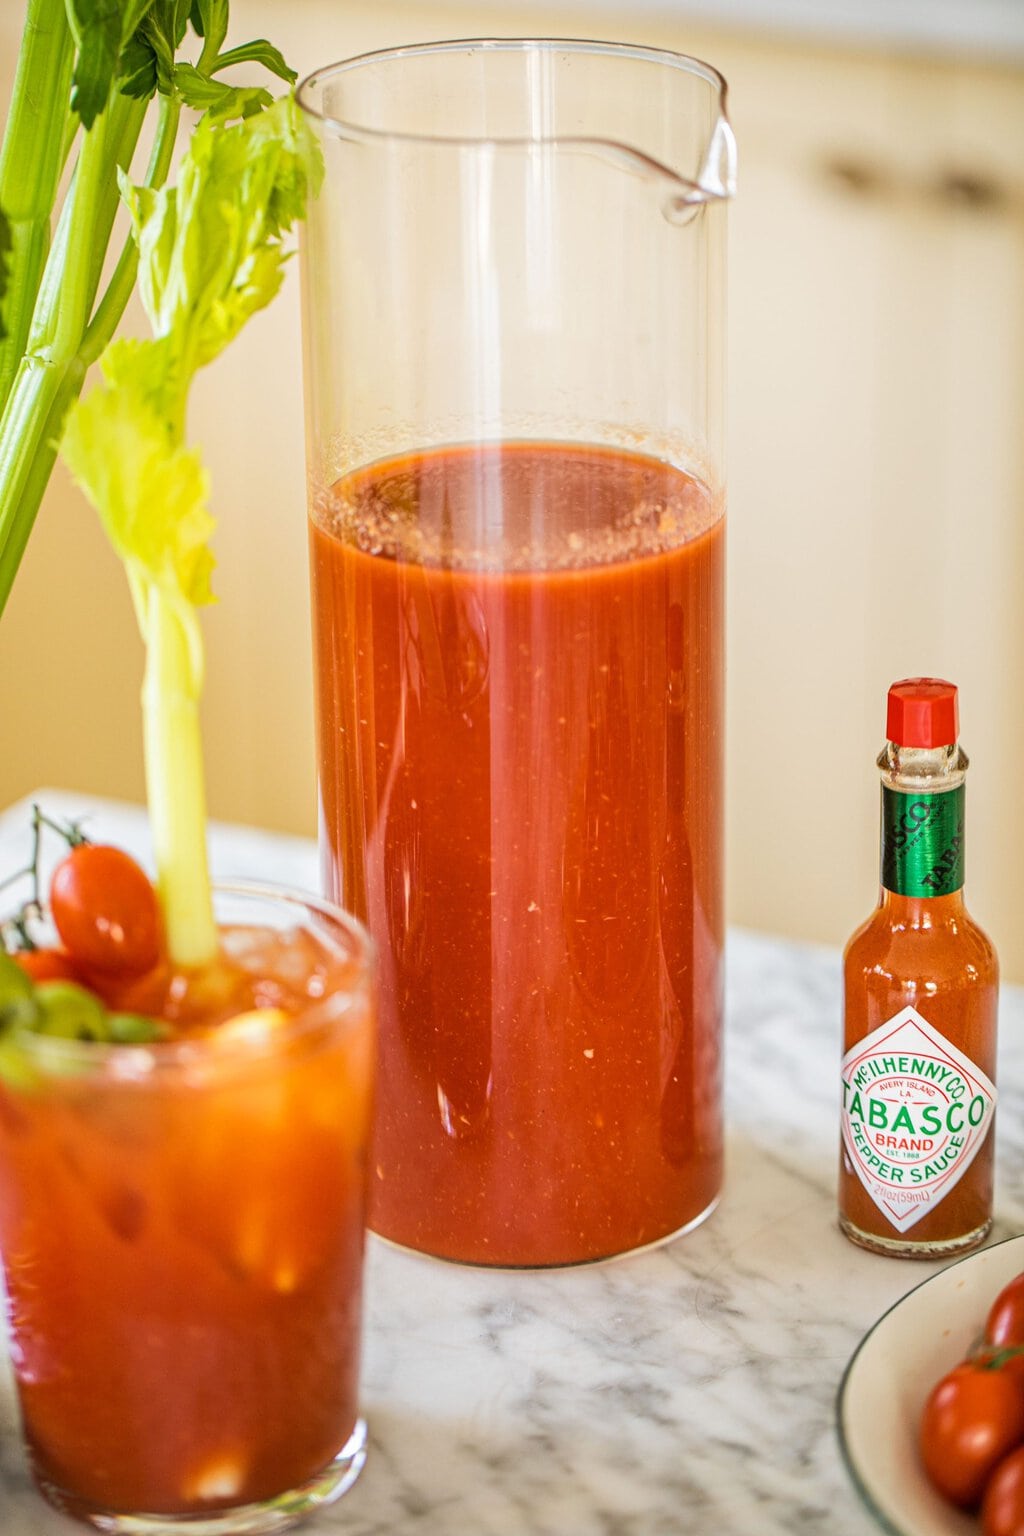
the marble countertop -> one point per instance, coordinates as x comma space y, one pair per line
690, 1389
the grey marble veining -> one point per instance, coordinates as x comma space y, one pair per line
689, 1389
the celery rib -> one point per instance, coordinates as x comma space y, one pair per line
31, 158
175, 785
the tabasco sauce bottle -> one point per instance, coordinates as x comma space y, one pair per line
920, 982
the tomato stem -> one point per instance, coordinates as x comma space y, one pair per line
34, 908
19, 874
998, 1359
70, 831
18, 925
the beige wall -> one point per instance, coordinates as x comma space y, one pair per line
877, 332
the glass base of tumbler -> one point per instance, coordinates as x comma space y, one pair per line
278, 1514
907, 1248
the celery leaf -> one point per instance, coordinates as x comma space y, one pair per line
210, 251
163, 29
133, 12
210, 20
113, 42
258, 52
96, 27
137, 71
151, 494
224, 101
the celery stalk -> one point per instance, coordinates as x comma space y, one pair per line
56, 332
175, 787
211, 254
30, 165
23, 480
118, 291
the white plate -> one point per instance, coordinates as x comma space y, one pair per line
891, 1373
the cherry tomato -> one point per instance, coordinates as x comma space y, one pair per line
1003, 1358
135, 1029
1005, 1323
1002, 1510
147, 993
106, 911
973, 1418
18, 1006
46, 964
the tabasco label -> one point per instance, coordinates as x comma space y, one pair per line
922, 842
915, 1113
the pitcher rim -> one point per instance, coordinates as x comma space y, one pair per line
684, 62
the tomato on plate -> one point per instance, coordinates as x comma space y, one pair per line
972, 1419
1002, 1358
1002, 1510
106, 911
1005, 1323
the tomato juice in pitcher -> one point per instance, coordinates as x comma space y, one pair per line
519, 757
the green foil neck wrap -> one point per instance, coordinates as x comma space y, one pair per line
922, 842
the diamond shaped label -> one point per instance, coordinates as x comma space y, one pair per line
915, 1113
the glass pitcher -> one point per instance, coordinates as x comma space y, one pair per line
513, 305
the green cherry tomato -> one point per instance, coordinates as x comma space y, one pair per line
134, 1029
18, 1006
69, 1012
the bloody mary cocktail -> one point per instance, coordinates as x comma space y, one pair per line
181, 1227
519, 680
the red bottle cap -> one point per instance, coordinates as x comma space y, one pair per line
923, 712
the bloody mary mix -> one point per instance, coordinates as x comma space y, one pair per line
181, 1229
519, 678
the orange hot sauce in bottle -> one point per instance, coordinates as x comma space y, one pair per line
921, 984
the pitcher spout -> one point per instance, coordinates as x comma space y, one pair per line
681, 196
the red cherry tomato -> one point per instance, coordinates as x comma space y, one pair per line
1005, 1323
106, 911
1002, 1510
973, 1418
145, 993
47, 964
1003, 1358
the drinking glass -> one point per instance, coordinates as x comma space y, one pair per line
181, 1227
513, 293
